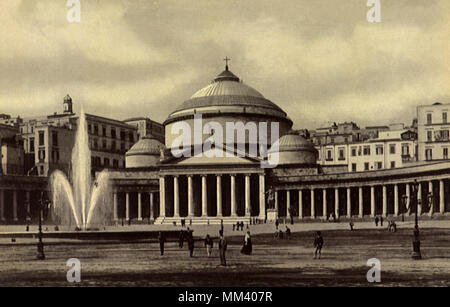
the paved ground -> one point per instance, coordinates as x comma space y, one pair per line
200, 231
273, 263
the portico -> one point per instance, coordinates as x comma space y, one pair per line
354, 195
211, 192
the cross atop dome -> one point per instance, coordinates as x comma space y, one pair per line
226, 62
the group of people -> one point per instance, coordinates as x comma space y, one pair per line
239, 226
246, 249
208, 243
379, 220
392, 226
279, 234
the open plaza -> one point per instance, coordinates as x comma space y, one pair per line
274, 262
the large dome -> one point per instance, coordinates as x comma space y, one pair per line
224, 103
227, 94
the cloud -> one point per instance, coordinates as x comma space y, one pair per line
318, 60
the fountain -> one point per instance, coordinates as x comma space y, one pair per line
79, 201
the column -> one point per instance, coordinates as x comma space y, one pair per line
396, 208
324, 203
360, 202
441, 197
430, 190
115, 206
300, 204
288, 203
162, 197
204, 197
313, 206
27, 200
2, 205
349, 203
408, 199
139, 207
336, 202
176, 197
15, 205
151, 214
219, 195
276, 202
233, 195
419, 197
190, 196
262, 197
372, 201
247, 196
127, 206
385, 213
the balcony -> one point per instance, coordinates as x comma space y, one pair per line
407, 158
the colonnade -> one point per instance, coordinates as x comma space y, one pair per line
150, 204
15, 205
228, 197
391, 199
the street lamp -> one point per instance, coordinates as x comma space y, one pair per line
416, 241
43, 204
404, 203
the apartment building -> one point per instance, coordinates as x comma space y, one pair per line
433, 129
390, 149
48, 141
147, 127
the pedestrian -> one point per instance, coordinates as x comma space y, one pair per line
351, 225
276, 224
381, 221
27, 228
247, 247
318, 243
280, 234
181, 239
209, 245
190, 241
376, 221
221, 225
222, 248
162, 240
288, 232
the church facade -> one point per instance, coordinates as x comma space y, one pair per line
256, 173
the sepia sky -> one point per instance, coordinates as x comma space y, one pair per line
320, 61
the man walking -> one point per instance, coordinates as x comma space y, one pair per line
190, 241
222, 248
181, 239
318, 243
161, 240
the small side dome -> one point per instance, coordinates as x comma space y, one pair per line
145, 153
292, 149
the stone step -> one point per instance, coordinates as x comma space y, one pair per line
202, 221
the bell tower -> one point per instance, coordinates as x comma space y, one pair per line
67, 105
